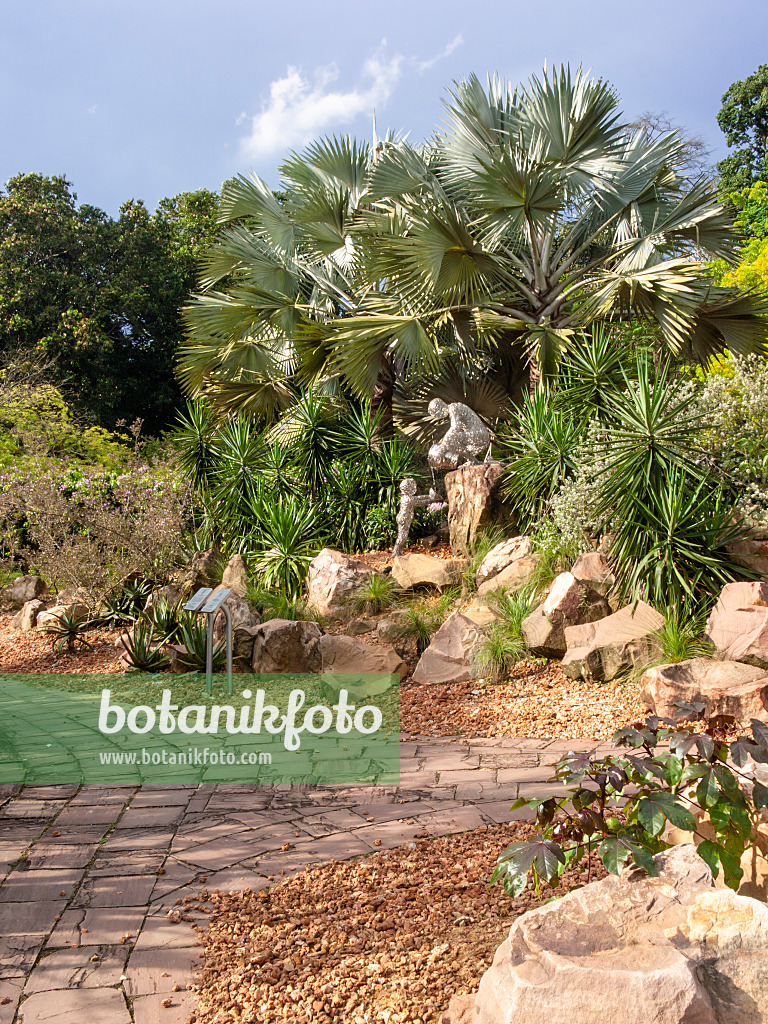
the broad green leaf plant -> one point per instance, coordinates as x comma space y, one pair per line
618, 807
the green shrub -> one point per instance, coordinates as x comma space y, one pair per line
618, 806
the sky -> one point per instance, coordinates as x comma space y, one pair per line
140, 99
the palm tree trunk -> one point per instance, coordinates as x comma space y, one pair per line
383, 397
534, 377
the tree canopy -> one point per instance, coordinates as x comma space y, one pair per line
97, 298
743, 118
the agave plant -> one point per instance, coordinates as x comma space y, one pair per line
163, 619
193, 635
142, 650
67, 631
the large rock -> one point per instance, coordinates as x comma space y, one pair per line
593, 569
738, 624
502, 555
347, 654
23, 589
632, 949
603, 649
244, 616
51, 616
751, 553
724, 687
235, 576
569, 603
514, 577
202, 571
411, 571
448, 659
169, 592
333, 578
480, 613
474, 502
285, 645
26, 619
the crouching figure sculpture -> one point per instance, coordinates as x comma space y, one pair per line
466, 438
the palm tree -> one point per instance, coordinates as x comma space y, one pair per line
532, 215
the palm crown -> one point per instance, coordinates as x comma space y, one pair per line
534, 213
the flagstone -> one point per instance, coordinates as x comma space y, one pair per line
10, 992
76, 968
151, 1009
95, 1005
116, 891
29, 918
64, 855
96, 925
157, 970
38, 885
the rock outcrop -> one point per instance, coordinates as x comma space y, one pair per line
333, 578
513, 577
727, 688
235, 575
569, 603
52, 615
632, 949
448, 659
203, 571
601, 650
474, 502
26, 619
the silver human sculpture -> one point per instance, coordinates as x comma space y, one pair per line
466, 438
409, 501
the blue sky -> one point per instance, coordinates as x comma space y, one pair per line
146, 98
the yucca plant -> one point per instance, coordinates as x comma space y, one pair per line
67, 631
142, 650
539, 445
195, 442
288, 536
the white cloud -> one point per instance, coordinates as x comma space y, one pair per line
93, 109
454, 44
301, 107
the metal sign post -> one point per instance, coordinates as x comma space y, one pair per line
208, 603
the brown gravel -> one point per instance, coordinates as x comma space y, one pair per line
389, 938
540, 701
30, 651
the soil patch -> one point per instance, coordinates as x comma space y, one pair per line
390, 937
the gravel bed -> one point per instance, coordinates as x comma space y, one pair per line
390, 937
539, 701
30, 651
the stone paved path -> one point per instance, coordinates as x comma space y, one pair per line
91, 872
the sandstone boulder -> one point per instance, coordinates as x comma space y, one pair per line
235, 576
725, 688
502, 555
448, 659
23, 589
411, 571
244, 616
474, 503
51, 616
738, 624
333, 578
72, 595
514, 577
202, 571
346, 654
593, 569
480, 613
751, 553
387, 631
285, 645
171, 593
601, 650
632, 949
357, 627
26, 619
569, 603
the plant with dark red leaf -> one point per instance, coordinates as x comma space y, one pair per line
619, 807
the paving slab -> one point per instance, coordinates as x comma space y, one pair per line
10, 993
157, 970
86, 967
119, 891
96, 926
39, 886
29, 918
151, 1009
94, 1006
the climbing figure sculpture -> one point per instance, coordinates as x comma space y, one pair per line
466, 438
409, 501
